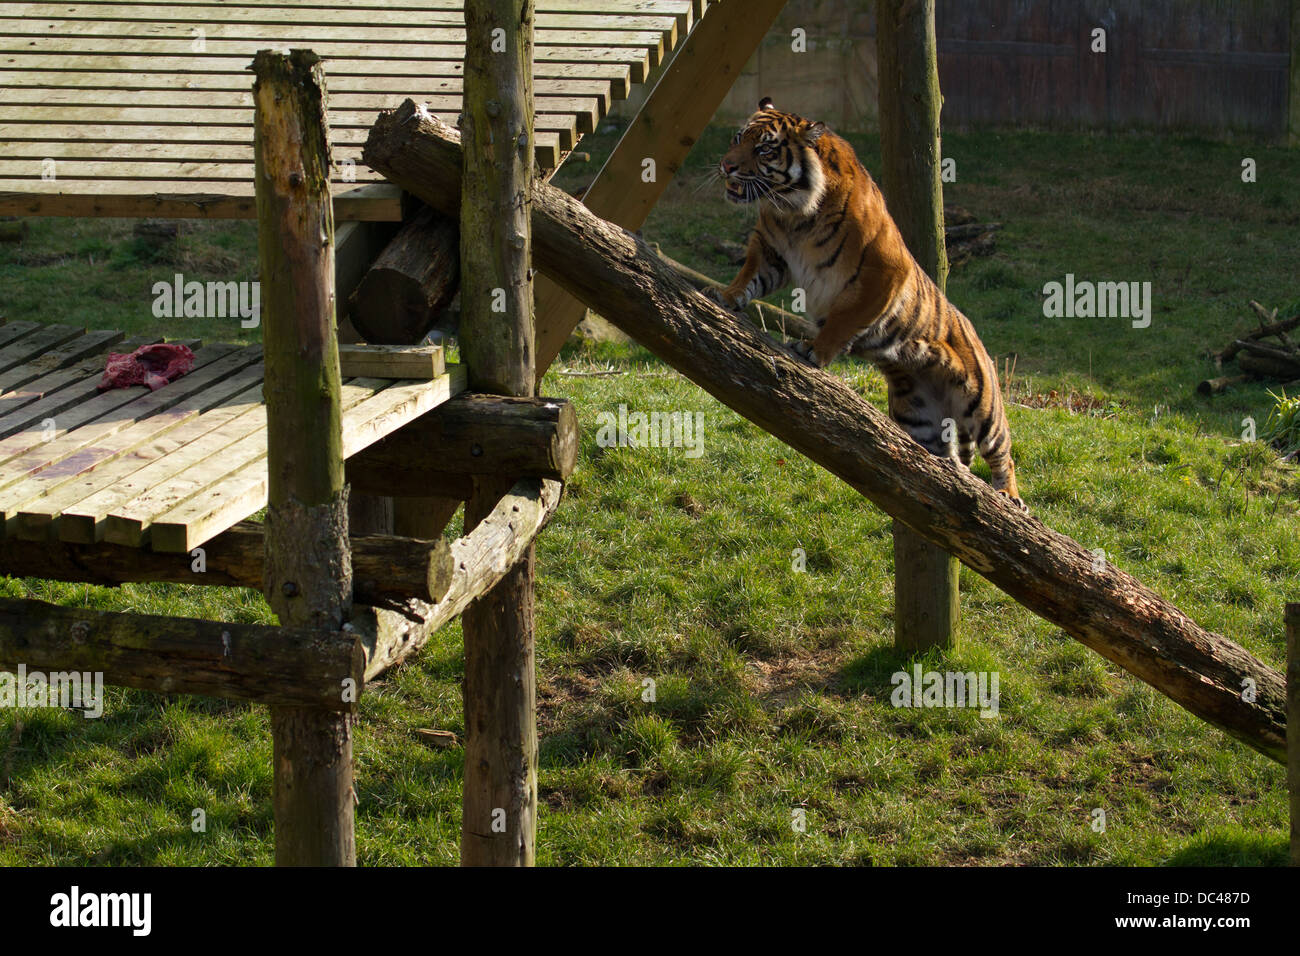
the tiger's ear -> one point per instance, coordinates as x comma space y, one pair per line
813, 132
766, 103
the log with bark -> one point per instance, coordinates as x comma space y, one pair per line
1257, 359
385, 568
280, 666
403, 294
820, 416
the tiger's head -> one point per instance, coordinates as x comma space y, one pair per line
773, 158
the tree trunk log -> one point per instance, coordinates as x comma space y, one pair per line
401, 296
283, 667
820, 416
499, 818
385, 568
1213, 386
926, 594
472, 434
1263, 365
308, 565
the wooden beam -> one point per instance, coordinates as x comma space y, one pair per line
499, 818
473, 434
479, 561
820, 416
308, 580
385, 568
683, 101
926, 605
421, 362
283, 667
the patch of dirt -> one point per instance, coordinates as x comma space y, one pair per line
779, 681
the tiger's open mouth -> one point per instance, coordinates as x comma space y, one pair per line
737, 192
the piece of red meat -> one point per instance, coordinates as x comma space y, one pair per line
152, 365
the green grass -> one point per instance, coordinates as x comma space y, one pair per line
772, 687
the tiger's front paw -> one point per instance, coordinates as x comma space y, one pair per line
718, 294
1018, 502
806, 352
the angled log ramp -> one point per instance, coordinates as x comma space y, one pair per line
822, 417
479, 561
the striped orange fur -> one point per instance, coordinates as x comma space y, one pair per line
823, 225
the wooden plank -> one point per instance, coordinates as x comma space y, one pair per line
13, 331
138, 466
34, 344
682, 9
232, 82
124, 67
392, 361
92, 343
258, 36
102, 442
635, 57
97, 102
177, 199
206, 467
240, 495
394, 407
28, 451
82, 392
335, 17
87, 372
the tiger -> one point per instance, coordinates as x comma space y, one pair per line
822, 223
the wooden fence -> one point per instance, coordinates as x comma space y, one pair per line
1212, 67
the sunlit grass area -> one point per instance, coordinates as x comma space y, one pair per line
771, 676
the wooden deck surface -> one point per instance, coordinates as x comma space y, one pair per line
167, 469
145, 108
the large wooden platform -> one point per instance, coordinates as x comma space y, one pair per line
167, 469
145, 108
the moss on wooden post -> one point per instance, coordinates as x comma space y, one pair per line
498, 826
925, 577
308, 572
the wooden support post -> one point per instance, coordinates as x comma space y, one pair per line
820, 416
1293, 725
675, 112
308, 564
925, 577
498, 826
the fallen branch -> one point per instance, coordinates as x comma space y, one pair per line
820, 416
